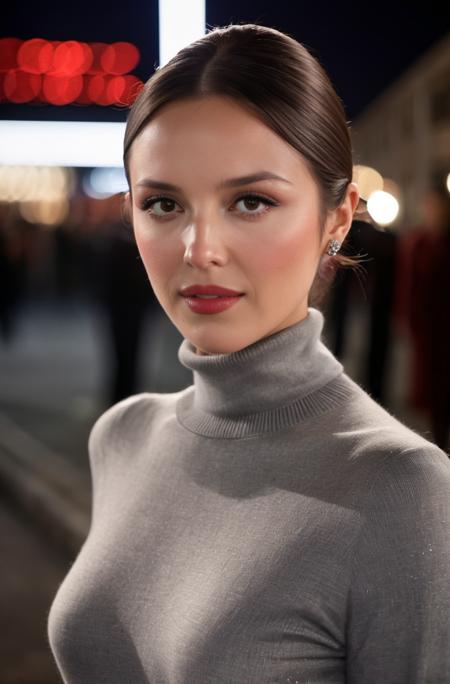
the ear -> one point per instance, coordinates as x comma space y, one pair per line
339, 220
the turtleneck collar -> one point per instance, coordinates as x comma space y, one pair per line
269, 385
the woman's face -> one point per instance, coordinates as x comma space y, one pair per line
260, 238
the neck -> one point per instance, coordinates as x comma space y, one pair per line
266, 383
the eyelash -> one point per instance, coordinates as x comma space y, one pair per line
148, 203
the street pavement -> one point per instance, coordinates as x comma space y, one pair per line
32, 570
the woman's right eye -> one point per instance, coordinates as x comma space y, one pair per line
150, 202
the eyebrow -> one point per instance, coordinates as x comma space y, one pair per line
229, 183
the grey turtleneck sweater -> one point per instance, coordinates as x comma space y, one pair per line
269, 523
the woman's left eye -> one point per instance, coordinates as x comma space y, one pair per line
256, 199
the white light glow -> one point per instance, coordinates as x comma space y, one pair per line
61, 143
49, 213
180, 23
383, 207
368, 180
103, 182
35, 184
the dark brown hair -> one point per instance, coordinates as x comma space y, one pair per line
281, 83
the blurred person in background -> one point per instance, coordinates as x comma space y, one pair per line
111, 275
126, 298
422, 308
16, 250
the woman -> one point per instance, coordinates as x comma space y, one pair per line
271, 522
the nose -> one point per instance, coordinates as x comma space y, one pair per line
204, 244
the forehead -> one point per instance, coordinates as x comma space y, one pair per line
215, 134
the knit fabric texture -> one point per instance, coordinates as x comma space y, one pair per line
270, 523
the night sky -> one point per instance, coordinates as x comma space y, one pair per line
362, 54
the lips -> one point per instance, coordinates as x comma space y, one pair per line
211, 304
215, 290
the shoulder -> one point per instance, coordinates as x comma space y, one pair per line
405, 507
115, 417
404, 535
414, 479
365, 430
128, 421
399, 582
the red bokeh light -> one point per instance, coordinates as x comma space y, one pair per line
116, 88
96, 88
83, 98
35, 56
61, 90
88, 57
119, 58
133, 87
70, 59
61, 72
9, 48
19, 86
97, 52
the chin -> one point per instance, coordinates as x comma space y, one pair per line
213, 349
220, 347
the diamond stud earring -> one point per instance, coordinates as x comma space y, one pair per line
333, 247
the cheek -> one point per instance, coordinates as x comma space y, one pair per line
286, 249
157, 255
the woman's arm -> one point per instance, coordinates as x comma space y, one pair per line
399, 602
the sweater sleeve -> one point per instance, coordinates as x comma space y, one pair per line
399, 598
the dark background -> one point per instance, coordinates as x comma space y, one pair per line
363, 47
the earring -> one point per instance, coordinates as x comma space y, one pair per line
333, 247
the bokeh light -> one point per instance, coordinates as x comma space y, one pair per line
35, 183
383, 207
46, 213
35, 56
61, 90
65, 72
20, 87
119, 58
368, 180
42, 194
9, 47
104, 182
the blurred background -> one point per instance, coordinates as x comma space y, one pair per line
79, 325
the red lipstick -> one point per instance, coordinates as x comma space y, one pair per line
220, 298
